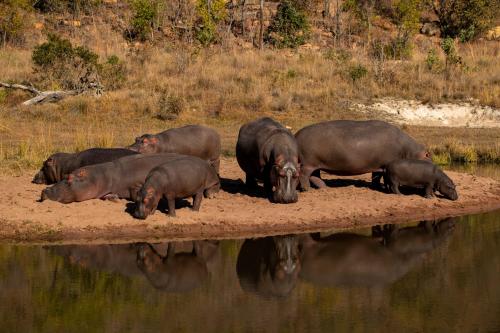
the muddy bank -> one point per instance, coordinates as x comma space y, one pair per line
234, 213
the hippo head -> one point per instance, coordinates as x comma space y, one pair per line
447, 188
79, 185
146, 144
146, 202
284, 179
51, 170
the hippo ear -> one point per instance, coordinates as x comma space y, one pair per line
154, 140
50, 161
82, 173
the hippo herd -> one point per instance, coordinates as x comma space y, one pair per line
184, 162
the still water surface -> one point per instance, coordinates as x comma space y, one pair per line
438, 276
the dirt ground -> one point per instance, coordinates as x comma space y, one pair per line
235, 213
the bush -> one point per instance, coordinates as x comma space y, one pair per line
208, 19
170, 107
58, 62
466, 19
113, 73
357, 72
142, 20
289, 27
432, 60
12, 20
74, 6
452, 57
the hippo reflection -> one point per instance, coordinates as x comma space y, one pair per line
172, 267
347, 259
269, 266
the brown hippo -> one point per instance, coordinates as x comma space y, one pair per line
348, 147
121, 178
59, 165
268, 151
348, 259
417, 173
181, 178
269, 266
194, 140
177, 271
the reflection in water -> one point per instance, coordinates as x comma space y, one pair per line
348, 259
269, 266
172, 267
426, 277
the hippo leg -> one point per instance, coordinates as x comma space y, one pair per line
250, 181
376, 178
171, 206
317, 182
197, 201
429, 192
394, 186
305, 174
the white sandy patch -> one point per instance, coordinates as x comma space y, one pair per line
446, 114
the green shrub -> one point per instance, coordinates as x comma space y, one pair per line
452, 57
466, 19
74, 6
113, 73
289, 27
58, 63
208, 19
12, 20
357, 72
142, 21
432, 60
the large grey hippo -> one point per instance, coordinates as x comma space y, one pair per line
417, 173
194, 140
348, 147
59, 165
121, 178
177, 179
267, 151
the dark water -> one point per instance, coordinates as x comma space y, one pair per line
439, 276
423, 277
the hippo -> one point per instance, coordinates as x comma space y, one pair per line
121, 178
267, 151
348, 147
194, 140
417, 173
177, 271
59, 165
182, 178
269, 266
349, 259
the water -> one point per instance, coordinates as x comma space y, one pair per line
435, 277
422, 277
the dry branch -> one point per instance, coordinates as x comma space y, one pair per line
46, 96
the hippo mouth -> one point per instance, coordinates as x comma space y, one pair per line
39, 178
286, 191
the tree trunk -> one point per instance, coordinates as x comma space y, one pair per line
261, 32
243, 18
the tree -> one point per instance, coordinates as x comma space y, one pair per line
465, 19
289, 27
364, 10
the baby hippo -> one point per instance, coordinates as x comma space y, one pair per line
417, 173
190, 176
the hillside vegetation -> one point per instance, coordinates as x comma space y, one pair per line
146, 65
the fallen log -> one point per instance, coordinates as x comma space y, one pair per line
48, 96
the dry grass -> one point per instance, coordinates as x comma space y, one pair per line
225, 88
